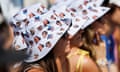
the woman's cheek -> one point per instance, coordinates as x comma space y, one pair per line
116, 16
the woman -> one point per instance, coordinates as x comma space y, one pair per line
7, 54
99, 40
6, 38
105, 29
115, 15
50, 48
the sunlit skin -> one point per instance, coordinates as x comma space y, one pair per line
116, 16
105, 30
76, 40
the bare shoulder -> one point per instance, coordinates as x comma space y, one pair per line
89, 65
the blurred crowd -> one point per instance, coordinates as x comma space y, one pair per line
59, 36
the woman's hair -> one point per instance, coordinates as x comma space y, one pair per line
7, 56
112, 6
4, 33
91, 37
47, 64
88, 39
105, 3
4, 29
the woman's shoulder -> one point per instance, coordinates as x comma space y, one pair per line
86, 63
83, 62
89, 65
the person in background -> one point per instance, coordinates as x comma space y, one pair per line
93, 43
115, 15
6, 37
7, 54
109, 27
106, 29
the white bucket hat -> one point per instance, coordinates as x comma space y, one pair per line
74, 3
87, 12
39, 33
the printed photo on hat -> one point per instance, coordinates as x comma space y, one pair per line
77, 23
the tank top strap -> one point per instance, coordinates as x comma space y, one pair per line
79, 65
79, 52
82, 53
70, 55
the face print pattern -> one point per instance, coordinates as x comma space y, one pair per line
19, 42
40, 32
30, 12
76, 19
77, 23
95, 13
62, 3
87, 11
22, 18
34, 9
60, 13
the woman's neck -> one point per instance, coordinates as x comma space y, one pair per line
62, 61
61, 51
